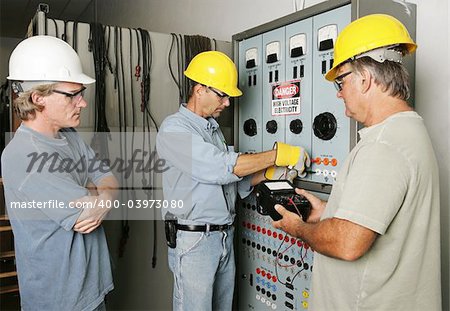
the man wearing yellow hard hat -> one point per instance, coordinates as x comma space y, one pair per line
206, 175
376, 240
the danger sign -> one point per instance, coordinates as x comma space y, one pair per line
286, 98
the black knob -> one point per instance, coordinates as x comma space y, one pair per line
250, 127
272, 126
325, 126
296, 126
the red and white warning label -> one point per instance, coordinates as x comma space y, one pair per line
286, 98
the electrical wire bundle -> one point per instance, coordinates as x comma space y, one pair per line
99, 50
187, 47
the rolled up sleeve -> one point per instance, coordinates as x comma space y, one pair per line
191, 154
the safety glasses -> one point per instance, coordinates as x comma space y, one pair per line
339, 81
222, 96
74, 97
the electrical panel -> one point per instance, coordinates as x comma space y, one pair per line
273, 72
250, 83
286, 98
299, 50
331, 139
274, 270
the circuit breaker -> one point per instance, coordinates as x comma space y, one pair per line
286, 98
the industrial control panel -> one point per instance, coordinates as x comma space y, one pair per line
286, 98
274, 269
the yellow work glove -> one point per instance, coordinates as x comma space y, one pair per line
294, 157
275, 172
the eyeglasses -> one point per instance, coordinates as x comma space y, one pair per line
222, 96
339, 81
74, 97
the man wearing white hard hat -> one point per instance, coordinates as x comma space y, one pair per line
62, 255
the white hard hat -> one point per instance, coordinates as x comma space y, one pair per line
46, 58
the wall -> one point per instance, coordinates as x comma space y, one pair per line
222, 19
213, 18
432, 102
6, 47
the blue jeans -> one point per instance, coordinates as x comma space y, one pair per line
204, 269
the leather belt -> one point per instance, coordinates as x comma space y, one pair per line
203, 228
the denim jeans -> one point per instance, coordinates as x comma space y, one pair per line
204, 269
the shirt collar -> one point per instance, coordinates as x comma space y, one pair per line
206, 123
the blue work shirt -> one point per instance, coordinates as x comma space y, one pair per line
200, 169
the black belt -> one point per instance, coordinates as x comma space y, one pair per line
203, 228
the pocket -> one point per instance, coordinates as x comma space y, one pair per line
188, 241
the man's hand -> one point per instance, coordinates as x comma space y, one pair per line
294, 157
289, 221
94, 211
303, 163
317, 205
275, 172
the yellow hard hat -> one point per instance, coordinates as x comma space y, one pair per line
368, 33
214, 69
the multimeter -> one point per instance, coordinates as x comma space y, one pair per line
271, 192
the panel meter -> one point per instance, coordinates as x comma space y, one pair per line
327, 37
251, 58
273, 52
297, 45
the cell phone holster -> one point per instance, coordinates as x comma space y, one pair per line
170, 226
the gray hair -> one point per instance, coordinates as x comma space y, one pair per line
24, 106
390, 75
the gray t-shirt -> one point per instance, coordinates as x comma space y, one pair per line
389, 183
58, 268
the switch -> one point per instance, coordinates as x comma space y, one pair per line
294, 72
296, 126
272, 127
302, 71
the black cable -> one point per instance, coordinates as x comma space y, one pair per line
56, 27
169, 61
64, 35
99, 51
75, 36
138, 67
193, 45
288, 279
